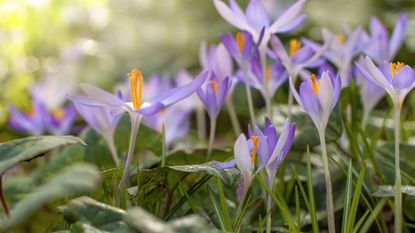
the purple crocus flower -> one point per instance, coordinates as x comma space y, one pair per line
318, 97
214, 94
378, 45
255, 18
217, 59
241, 47
274, 73
59, 122
341, 51
396, 78
137, 108
32, 121
370, 92
298, 57
99, 118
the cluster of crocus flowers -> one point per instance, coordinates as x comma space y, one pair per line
137, 107
41, 116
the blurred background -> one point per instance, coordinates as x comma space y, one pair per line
99, 41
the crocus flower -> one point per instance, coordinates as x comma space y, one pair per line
396, 78
31, 121
370, 92
255, 18
99, 118
241, 47
341, 51
318, 97
298, 57
59, 122
217, 59
214, 94
137, 107
378, 45
275, 74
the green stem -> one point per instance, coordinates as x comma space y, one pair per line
232, 115
3, 198
398, 193
211, 137
249, 97
135, 124
290, 99
201, 122
269, 222
329, 192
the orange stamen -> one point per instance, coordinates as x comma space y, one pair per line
268, 73
59, 114
214, 85
255, 140
31, 111
341, 39
295, 45
240, 40
136, 94
395, 67
315, 84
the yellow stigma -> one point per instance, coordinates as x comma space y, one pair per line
268, 73
59, 114
295, 45
395, 67
214, 85
136, 93
240, 40
315, 84
341, 38
31, 111
255, 140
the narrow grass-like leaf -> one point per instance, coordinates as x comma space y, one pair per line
224, 206
285, 212
297, 209
313, 214
347, 198
356, 198
361, 221
218, 212
373, 216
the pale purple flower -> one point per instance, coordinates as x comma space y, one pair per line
318, 97
60, 121
32, 121
255, 18
396, 78
378, 45
341, 51
241, 47
216, 59
213, 95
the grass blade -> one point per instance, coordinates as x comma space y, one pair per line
347, 198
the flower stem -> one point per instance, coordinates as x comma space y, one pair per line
232, 115
135, 124
201, 122
249, 96
398, 193
211, 137
269, 205
290, 98
3, 198
267, 97
329, 192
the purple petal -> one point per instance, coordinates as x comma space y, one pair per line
279, 49
256, 15
293, 25
287, 17
224, 165
404, 78
302, 55
232, 17
311, 103
230, 43
398, 35
101, 95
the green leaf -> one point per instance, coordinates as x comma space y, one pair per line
26, 149
195, 156
77, 179
95, 214
143, 221
409, 207
228, 176
389, 191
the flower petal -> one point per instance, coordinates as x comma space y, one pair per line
288, 16
101, 95
398, 35
232, 17
256, 15
404, 78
